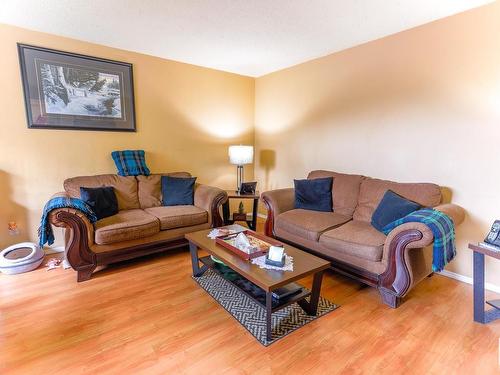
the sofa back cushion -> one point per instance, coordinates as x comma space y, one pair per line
149, 188
372, 190
125, 188
345, 190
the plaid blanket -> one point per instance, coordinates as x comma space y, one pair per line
441, 227
45, 233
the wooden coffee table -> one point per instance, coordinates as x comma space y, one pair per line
304, 264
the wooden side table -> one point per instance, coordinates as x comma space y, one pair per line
480, 314
250, 220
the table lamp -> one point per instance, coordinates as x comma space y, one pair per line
239, 156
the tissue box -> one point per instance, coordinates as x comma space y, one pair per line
274, 263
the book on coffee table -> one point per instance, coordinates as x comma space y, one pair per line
287, 291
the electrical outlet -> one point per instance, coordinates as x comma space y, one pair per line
13, 228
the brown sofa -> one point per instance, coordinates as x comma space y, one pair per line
142, 225
393, 263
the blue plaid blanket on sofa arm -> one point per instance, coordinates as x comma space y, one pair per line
45, 233
442, 228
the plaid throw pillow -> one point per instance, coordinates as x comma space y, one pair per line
130, 162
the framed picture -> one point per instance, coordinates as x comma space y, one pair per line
248, 187
65, 90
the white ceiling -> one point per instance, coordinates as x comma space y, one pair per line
250, 37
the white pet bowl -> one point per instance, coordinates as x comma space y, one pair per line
23, 257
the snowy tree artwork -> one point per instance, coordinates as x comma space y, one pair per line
74, 91
70, 91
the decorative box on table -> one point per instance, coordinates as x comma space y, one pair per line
261, 242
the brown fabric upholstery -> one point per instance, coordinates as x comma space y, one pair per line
205, 196
163, 235
456, 213
345, 190
317, 248
307, 223
178, 216
279, 201
125, 188
372, 190
126, 225
376, 268
149, 188
355, 238
419, 262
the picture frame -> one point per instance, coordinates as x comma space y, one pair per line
248, 188
64, 90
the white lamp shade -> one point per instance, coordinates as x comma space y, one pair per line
240, 155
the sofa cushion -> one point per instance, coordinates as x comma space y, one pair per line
314, 194
149, 188
125, 188
355, 238
130, 162
392, 207
344, 192
177, 191
178, 216
372, 190
307, 224
126, 225
102, 200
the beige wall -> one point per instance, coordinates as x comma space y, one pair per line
421, 105
186, 118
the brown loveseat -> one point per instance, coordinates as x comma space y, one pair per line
393, 263
142, 225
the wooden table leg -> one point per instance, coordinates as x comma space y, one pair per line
253, 225
311, 307
195, 261
225, 213
269, 312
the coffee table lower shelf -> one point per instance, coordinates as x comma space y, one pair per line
260, 299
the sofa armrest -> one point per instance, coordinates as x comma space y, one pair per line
454, 211
60, 217
424, 239
404, 270
79, 237
210, 199
277, 202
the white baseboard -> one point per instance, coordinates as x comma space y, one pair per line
468, 280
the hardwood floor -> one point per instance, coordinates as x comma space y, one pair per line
148, 316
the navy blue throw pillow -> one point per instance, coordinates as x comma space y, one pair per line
102, 200
392, 207
177, 190
314, 194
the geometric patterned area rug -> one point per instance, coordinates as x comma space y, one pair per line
252, 315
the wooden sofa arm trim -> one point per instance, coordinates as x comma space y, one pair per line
396, 281
78, 252
217, 202
269, 224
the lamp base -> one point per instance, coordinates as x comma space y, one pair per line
239, 177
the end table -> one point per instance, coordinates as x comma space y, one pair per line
250, 220
480, 315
